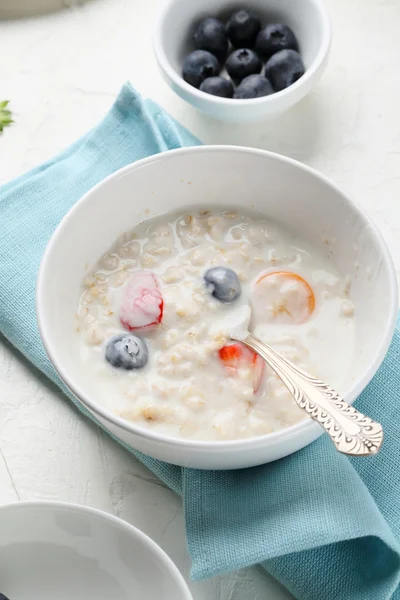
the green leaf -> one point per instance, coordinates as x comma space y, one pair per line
5, 115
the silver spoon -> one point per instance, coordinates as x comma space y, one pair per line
352, 432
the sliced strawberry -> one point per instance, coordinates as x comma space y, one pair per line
259, 365
142, 304
236, 355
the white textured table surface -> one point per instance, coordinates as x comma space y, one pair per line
61, 73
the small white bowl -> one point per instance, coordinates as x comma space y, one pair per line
51, 550
226, 177
172, 42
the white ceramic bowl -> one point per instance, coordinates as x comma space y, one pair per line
17, 9
226, 176
52, 551
172, 42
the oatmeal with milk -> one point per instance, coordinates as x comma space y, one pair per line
154, 333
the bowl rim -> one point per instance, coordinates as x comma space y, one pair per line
286, 434
318, 62
133, 531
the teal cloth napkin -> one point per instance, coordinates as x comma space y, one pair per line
326, 526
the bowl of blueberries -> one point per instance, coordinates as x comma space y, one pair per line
245, 62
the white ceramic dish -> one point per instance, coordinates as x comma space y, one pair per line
286, 191
308, 19
17, 9
52, 551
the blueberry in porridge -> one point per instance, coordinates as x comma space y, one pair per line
223, 284
155, 318
127, 351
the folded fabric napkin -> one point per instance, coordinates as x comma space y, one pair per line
326, 526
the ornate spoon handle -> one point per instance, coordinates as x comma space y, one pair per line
352, 432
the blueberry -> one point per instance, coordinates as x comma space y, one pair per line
275, 37
242, 63
210, 35
253, 86
284, 68
199, 65
127, 351
223, 284
217, 86
242, 29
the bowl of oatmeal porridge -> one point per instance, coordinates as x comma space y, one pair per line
142, 280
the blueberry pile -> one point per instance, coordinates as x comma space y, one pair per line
258, 61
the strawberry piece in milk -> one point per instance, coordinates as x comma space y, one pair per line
238, 355
142, 303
